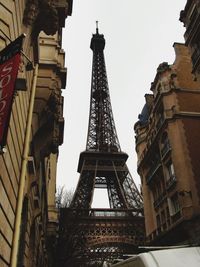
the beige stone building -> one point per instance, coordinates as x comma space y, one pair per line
167, 145
190, 16
28, 216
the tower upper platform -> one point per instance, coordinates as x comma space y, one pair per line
97, 41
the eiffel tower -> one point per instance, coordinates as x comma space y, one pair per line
101, 234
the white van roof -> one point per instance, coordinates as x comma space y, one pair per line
179, 257
176, 257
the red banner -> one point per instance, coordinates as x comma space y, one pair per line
9, 64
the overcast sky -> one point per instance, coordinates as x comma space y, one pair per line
139, 36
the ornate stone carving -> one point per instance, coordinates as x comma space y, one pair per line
42, 15
30, 12
47, 19
163, 67
50, 133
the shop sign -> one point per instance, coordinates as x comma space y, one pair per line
9, 65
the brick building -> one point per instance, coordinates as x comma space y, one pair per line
28, 216
167, 145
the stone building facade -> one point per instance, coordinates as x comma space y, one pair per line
28, 215
167, 146
190, 17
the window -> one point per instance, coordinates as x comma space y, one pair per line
158, 221
158, 224
165, 145
168, 216
170, 175
173, 204
163, 220
158, 192
170, 169
160, 120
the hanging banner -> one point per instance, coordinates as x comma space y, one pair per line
9, 65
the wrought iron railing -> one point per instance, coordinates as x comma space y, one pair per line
166, 148
160, 122
153, 170
196, 59
176, 216
160, 199
171, 181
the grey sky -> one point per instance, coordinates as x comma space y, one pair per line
139, 36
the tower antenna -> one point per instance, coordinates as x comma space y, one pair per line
97, 28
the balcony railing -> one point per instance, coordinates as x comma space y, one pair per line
153, 170
159, 200
176, 216
165, 226
140, 138
192, 25
171, 181
161, 228
166, 148
196, 59
160, 122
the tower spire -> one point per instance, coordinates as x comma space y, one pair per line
102, 135
97, 28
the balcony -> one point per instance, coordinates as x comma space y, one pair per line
140, 138
155, 167
171, 182
176, 216
164, 226
166, 148
196, 59
160, 199
192, 26
160, 122
160, 229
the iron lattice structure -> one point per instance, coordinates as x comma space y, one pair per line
102, 135
106, 233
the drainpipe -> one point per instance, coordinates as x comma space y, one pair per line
16, 234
